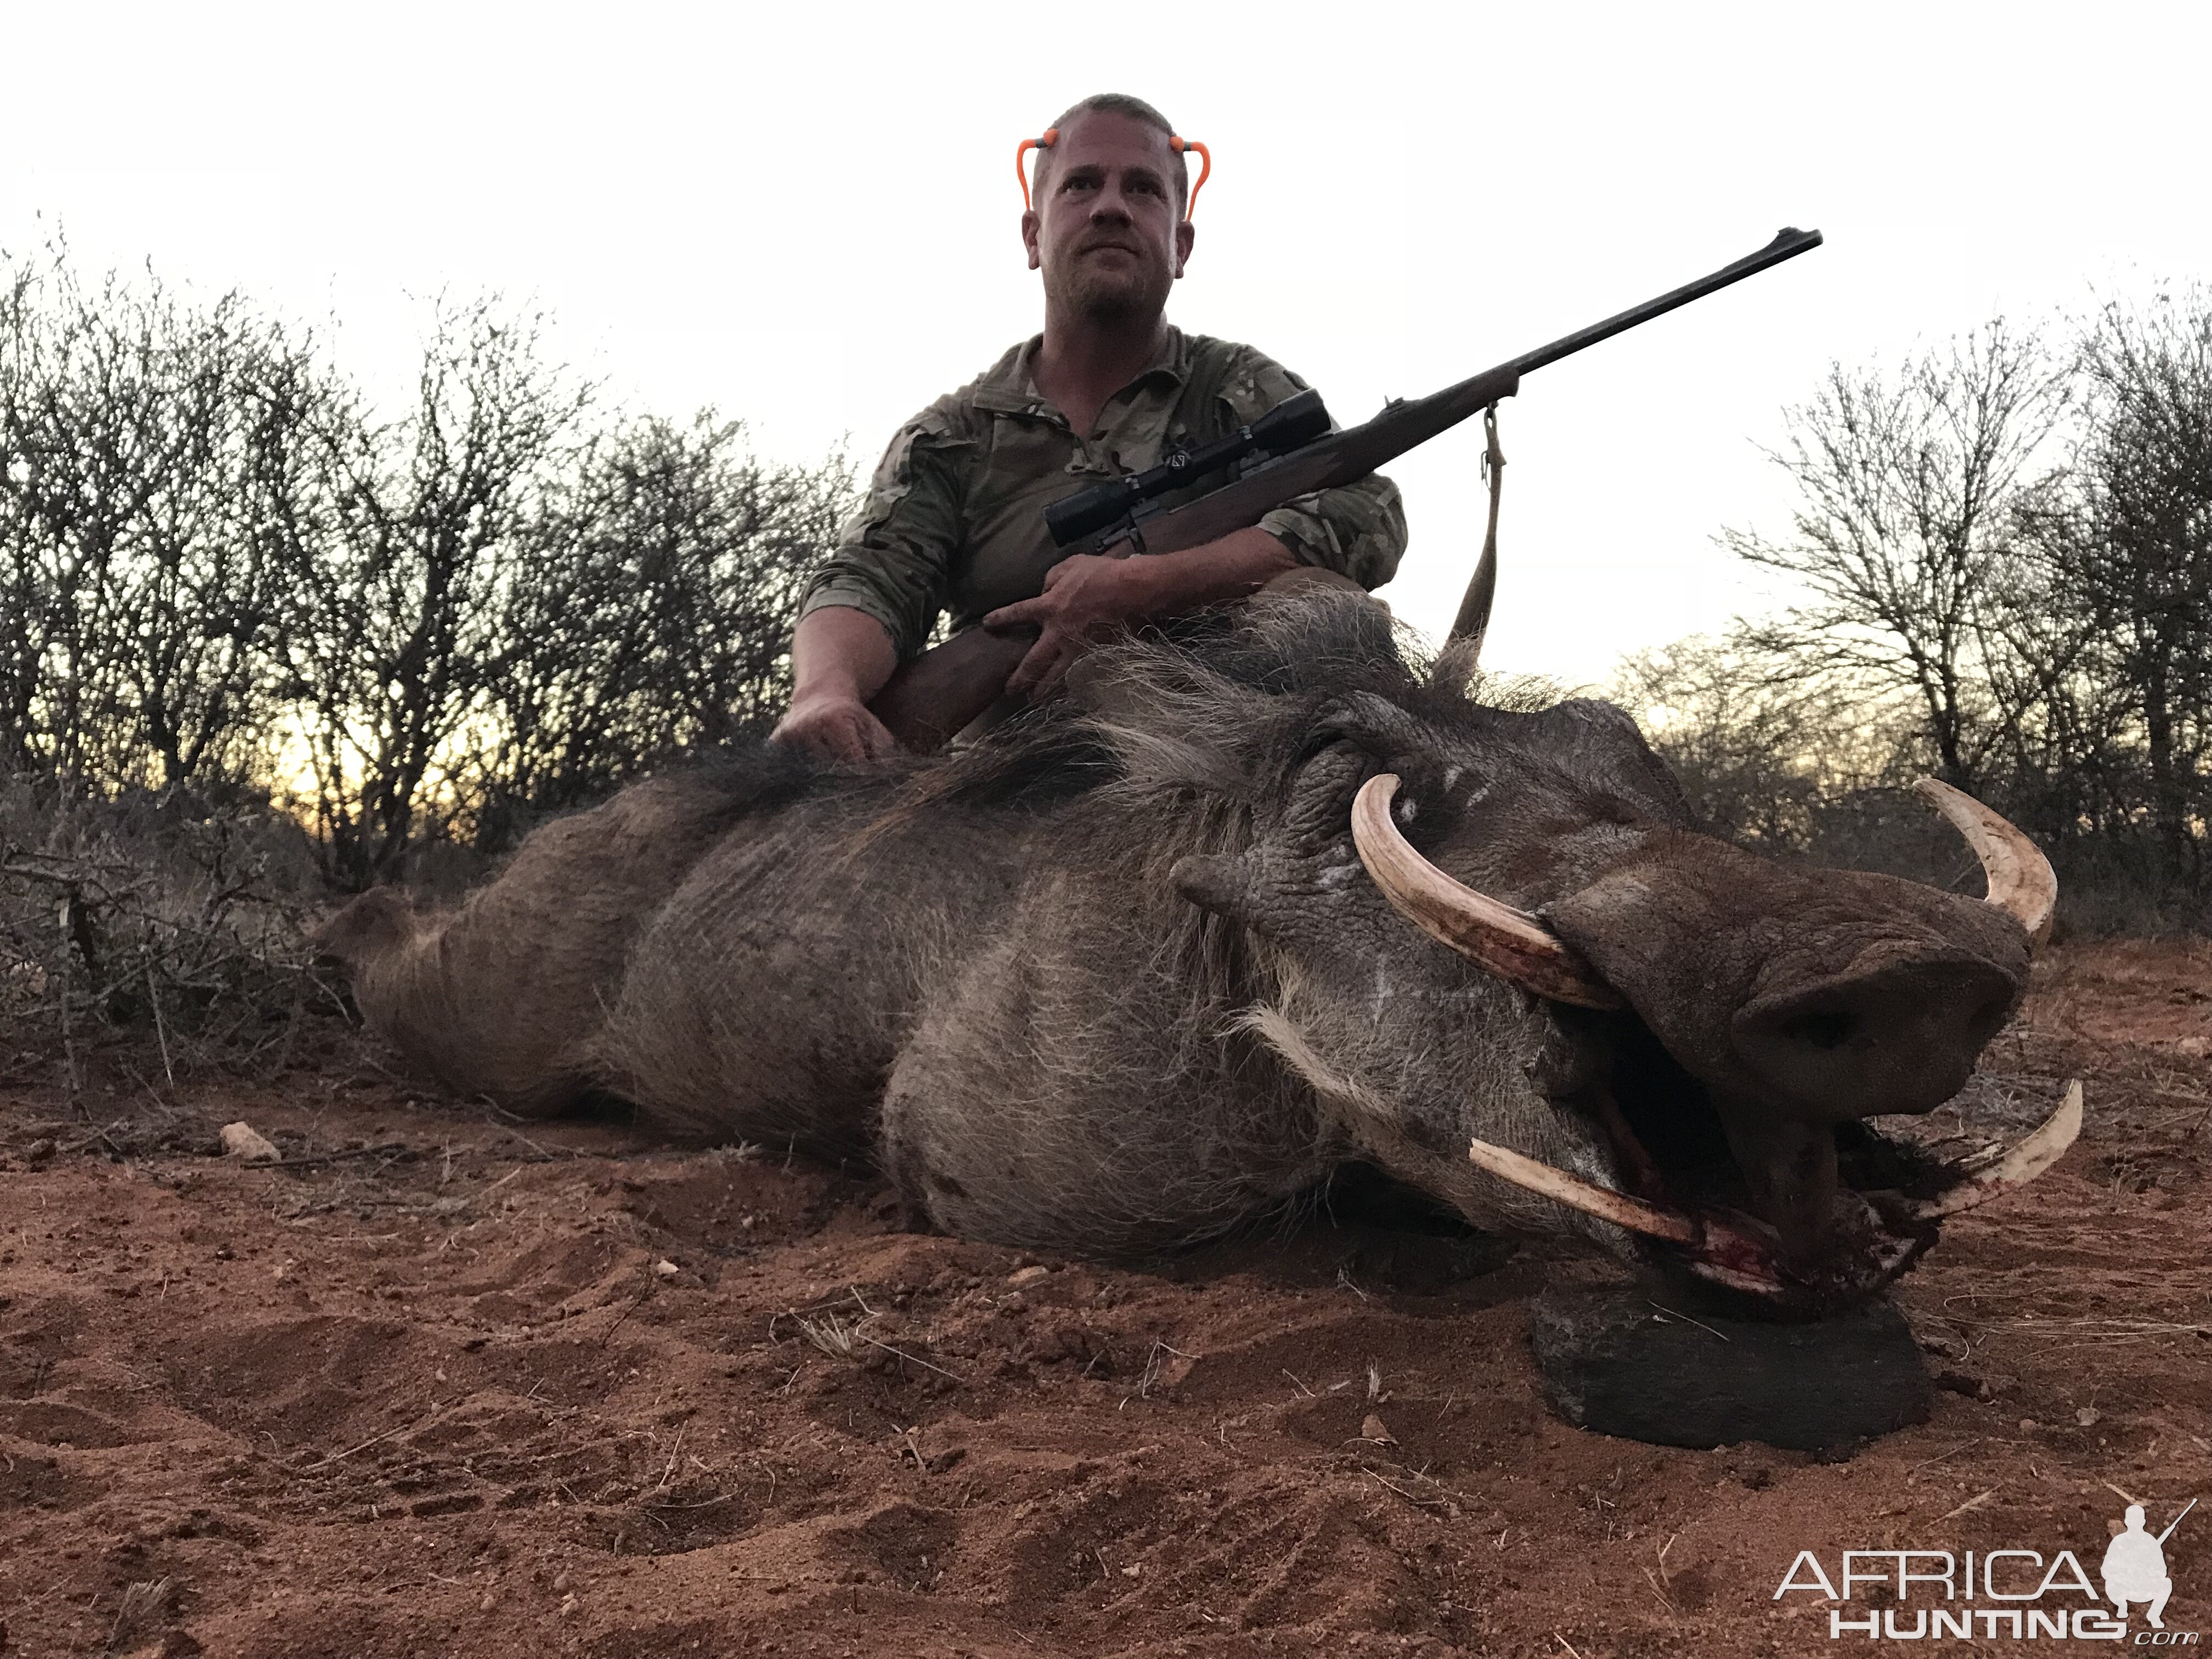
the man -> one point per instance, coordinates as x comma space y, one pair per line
2135, 1568
954, 518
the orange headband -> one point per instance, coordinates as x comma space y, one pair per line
1177, 144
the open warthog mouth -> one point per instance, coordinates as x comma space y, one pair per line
1770, 1187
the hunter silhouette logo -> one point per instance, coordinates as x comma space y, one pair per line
1913, 1595
2134, 1566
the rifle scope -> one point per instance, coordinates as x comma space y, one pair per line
1290, 424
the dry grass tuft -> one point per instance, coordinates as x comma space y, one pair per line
144, 1603
832, 1335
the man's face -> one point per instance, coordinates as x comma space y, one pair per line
1105, 230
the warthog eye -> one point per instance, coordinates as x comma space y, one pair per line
1822, 1030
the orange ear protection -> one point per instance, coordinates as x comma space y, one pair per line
1021, 157
1205, 168
1177, 144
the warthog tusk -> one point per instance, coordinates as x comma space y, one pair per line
2026, 1159
1497, 938
2020, 881
1576, 1193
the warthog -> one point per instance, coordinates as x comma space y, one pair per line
1161, 955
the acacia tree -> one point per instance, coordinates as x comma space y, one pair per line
1903, 534
82, 418
2137, 547
652, 613
393, 638
27, 597
139, 435
204, 564
1758, 747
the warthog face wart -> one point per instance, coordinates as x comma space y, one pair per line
1159, 957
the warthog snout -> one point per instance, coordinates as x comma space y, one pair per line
1899, 1036
1796, 999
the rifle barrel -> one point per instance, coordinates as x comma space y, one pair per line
1357, 451
2176, 1522
1788, 244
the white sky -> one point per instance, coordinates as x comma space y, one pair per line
807, 215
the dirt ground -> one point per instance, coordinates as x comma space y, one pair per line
440, 1384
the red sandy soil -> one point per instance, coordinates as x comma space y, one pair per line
442, 1385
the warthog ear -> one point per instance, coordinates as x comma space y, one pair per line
1265, 893
1301, 853
1216, 881
1301, 850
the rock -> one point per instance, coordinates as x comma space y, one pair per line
665, 1269
1641, 1363
1372, 1429
1022, 1276
248, 1145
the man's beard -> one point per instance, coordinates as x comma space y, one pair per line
1103, 295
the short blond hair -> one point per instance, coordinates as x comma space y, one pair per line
1117, 103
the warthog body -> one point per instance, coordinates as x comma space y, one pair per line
1116, 978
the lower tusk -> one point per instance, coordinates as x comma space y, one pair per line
2026, 1160
1577, 1194
1736, 1279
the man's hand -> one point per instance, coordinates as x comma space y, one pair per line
836, 726
840, 658
1084, 597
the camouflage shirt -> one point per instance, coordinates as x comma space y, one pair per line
954, 517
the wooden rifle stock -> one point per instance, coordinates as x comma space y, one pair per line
928, 700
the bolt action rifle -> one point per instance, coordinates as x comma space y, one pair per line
1288, 453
